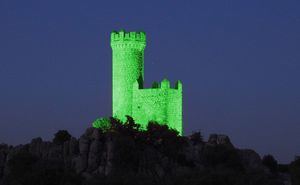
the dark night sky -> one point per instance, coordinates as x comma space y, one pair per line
239, 62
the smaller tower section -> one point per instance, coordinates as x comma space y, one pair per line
161, 103
127, 68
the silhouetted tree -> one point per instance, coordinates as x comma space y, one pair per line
131, 126
270, 162
295, 171
61, 136
196, 137
165, 139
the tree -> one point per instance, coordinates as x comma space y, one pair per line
196, 138
270, 162
61, 136
295, 171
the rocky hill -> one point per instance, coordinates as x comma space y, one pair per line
125, 154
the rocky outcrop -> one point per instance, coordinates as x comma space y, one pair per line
97, 153
219, 139
250, 159
4, 150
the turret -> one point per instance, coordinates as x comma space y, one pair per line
128, 67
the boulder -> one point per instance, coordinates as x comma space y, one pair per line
219, 139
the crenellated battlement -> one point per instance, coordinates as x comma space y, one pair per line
122, 36
164, 84
128, 40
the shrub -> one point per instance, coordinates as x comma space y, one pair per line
102, 123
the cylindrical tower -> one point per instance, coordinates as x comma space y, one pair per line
127, 67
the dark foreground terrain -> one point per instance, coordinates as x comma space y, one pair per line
124, 154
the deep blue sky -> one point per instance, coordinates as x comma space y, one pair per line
239, 62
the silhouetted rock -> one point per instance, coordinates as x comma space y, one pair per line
126, 154
250, 160
4, 149
219, 139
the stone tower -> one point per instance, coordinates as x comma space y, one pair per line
127, 67
161, 103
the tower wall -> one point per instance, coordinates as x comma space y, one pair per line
162, 104
127, 67
175, 108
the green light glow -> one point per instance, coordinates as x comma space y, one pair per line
161, 103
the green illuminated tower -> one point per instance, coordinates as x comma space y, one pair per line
161, 103
127, 67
